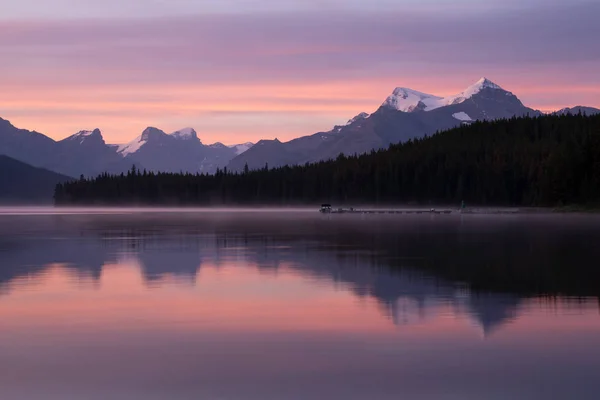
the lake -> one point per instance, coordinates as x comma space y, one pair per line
291, 304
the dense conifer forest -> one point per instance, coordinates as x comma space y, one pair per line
542, 161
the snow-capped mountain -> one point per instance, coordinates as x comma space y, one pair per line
480, 101
84, 136
404, 115
181, 150
150, 135
408, 100
185, 134
86, 153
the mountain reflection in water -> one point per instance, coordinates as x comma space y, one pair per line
233, 285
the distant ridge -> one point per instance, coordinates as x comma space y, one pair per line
578, 109
22, 183
86, 152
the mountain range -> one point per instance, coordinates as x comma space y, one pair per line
86, 152
406, 114
179, 151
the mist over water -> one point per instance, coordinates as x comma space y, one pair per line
273, 304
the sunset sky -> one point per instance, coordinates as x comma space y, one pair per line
242, 70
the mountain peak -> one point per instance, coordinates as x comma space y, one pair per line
483, 83
151, 133
88, 133
6, 124
362, 115
486, 83
409, 100
86, 136
185, 134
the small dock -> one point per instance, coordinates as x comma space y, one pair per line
327, 209
359, 211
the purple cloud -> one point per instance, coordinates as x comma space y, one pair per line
547, 55
285, 46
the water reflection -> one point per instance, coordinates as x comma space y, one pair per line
202, 307
405, 291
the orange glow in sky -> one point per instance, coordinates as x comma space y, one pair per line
239, 77
229, 114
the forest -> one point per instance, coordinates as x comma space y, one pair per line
543, 161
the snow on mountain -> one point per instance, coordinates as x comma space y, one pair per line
472, 90
408, 100
406, 114
241, 148
462, 116
81, 136
362, 115
181, 150
131, 147
338, 128
136, 144
185, 133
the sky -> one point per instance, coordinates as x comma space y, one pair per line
244, 70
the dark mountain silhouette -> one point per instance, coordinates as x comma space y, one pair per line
84, 153
578, 110
27, 146
23, 183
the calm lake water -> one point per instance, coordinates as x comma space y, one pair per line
292, 304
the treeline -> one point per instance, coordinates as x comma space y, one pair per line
542, 161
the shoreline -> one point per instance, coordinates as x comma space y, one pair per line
381, 210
